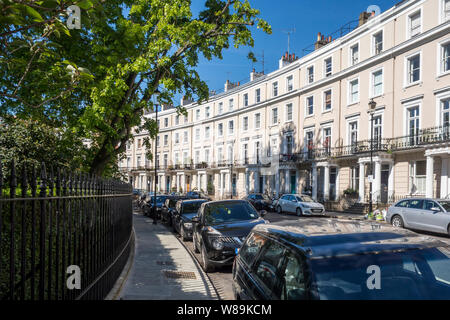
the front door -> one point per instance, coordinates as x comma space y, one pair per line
293, 184
261, 184
233, 184
188, 183
333, 175
384, 183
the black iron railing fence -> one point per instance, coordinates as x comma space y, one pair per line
52, 220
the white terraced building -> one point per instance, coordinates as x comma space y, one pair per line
306, 126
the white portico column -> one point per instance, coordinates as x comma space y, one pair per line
277, 183
287, 184
377, 186
314, 181
361, 182
444, 177
256, 177
429, 179
326, 182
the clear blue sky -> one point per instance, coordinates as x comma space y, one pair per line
308, 17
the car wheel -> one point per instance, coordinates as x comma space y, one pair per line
279, 210
195, 244
206, 264
299, 212
397, 221
183, 233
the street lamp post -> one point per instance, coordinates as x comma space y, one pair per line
372, 105
156, 94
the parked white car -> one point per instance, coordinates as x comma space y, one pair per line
299, 204
421, 214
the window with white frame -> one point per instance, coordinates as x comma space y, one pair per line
327, 100
220, 129
185, 157
231, 127
309, 105
352, 133
326, 138
176, 158
377, 130
354, 54
377, 83
166, 160
413, 73
197, 157
157, 141
245, 152
197, 114
413, 124
445, 57
274, 115
185, 137
377, 43
289, 108
206, 155
328, 65
257, 95
220, 108
445, 113
257, 120
185, 118
289, 83
310, 74
245, 123
230, 153
417, 176
445, 10
207, 132
197, 134
166, 122
219, 154
309, 139
138, 161
177, 137
166, 139
207, 112
258, 152
275, 89
177, 120
230, 105
415, 24
353, 92
245, 99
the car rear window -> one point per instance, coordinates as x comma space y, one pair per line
403, 204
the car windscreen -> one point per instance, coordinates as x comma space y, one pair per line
410, 274
445, 205
261, 197
304, 198
191, 207
223, 212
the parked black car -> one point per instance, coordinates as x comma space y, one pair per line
259, 201
167, 208
220, 228
184, 211
326, 259
150, 202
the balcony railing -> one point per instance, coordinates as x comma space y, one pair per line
421, 138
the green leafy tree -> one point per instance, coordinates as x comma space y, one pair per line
98, 81
31, 142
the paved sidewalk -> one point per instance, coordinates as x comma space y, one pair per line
162, 268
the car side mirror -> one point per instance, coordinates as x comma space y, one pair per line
195, 219
435, 209
262, 213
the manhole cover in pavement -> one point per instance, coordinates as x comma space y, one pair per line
179, 274
164, 263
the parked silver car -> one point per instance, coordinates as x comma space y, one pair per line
299, 204
421, 214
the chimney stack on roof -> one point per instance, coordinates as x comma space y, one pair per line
230, 85
287, 59
322, 41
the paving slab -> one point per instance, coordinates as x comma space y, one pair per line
162, 268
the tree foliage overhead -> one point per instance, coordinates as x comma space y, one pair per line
97, 81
